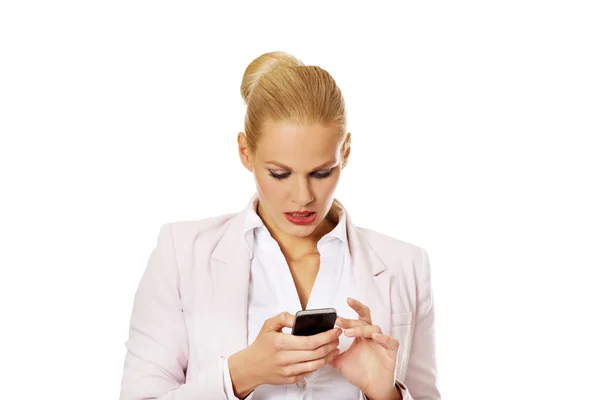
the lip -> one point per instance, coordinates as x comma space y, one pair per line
301, 220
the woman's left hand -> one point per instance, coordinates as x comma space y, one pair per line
370, 361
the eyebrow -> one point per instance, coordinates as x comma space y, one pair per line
290, 169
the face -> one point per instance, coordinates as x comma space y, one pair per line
296, 169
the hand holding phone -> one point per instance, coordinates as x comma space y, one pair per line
277, 358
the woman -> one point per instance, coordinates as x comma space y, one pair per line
212, 313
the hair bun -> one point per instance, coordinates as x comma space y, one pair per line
262, 65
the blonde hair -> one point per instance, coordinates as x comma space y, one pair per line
278, 87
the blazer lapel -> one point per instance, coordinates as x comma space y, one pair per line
371, 276
230, 265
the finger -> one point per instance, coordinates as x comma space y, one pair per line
349, 323
311, 342
278, 322
365, 331
336, 361
290, 380
297, 356
309, 366
364, 313
386, 341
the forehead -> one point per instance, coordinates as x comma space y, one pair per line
298, 145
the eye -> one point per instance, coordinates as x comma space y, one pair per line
279, 176
284, 175
322, 175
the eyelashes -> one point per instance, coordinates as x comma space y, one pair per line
318, 175
279, 176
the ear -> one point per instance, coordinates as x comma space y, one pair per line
244, 151
346, 150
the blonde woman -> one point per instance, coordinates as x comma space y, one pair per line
212, 314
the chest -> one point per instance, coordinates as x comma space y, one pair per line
304, 273
280, 284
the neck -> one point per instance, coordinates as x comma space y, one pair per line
297, 247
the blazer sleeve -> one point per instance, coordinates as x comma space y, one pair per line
157, 348
421, 374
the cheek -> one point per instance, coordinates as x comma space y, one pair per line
270, 188
327, 187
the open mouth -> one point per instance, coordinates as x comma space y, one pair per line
303, 218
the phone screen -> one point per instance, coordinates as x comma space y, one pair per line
312, 322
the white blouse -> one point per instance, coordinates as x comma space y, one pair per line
272, 291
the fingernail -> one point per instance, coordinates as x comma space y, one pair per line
349, 331
339, 332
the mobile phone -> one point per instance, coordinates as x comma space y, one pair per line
311, 322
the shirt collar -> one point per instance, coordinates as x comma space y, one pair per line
338, 214
253, 221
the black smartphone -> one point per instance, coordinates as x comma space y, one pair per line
311, 322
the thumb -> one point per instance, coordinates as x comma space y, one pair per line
278, 322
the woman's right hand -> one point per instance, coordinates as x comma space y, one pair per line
278, 358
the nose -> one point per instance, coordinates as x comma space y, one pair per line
301, 193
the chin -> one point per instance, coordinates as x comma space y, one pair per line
304, 230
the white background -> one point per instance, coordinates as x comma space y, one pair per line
475, 135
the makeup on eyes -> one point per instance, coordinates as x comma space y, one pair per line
316, 174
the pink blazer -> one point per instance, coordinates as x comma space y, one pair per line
190, 308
